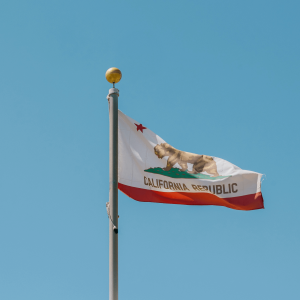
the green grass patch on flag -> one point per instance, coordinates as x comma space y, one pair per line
177, 173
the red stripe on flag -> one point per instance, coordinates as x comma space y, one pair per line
246, 202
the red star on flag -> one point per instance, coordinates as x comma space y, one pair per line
139, 127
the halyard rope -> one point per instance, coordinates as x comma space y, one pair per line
115, 228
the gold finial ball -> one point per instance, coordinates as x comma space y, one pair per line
113, 75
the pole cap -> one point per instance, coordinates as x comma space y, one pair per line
113, 91
113, 75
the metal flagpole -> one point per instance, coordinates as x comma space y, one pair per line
113, 75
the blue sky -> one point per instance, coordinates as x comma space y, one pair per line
213, 77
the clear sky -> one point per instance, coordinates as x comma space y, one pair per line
219, 78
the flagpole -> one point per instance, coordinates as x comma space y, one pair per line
113, 75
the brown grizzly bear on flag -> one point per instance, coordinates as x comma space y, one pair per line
201, 163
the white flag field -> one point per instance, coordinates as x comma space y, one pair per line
151, 170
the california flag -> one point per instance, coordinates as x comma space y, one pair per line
151, 170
